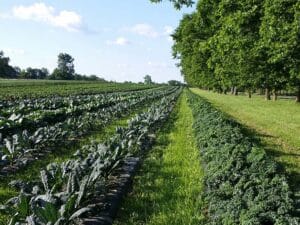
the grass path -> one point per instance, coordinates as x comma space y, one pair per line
166, 189
277, 125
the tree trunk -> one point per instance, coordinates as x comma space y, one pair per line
235, 91
249, 94
261, 91
267, 94
232, 90
274, 97
298, 95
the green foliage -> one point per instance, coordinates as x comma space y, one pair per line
178, 4
242, 184
148, 80
6, 71
244, 44
65, 68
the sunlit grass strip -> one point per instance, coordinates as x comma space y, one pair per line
280, 119
168, 186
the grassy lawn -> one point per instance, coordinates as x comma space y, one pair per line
166, 189
277, 124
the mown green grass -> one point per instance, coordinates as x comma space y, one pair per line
167, 188
276, 124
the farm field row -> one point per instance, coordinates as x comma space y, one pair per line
12, 89
64, 152
167, 188
22, 142
234, 181
200, 166
83, 174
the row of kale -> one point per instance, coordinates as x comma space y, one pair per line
242, 185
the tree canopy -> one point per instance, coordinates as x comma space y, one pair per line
65, 68
245, 45
178, 4
6, 71
148, 80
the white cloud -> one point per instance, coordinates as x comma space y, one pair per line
13, 51
119, 41
168, 30
157, 64
123, 65
144, 30
4, 16
40, 12
149, 31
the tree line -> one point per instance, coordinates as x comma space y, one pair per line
65, 70
249, 45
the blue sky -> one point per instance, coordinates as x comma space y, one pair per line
116, 39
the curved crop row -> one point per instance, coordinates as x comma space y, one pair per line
33, 113
242, 184
65, 191
20, 149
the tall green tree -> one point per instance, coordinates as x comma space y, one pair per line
191, 45
6, 71
65, 68
276, 43
34, 73
235, 41
148, 80
294, 80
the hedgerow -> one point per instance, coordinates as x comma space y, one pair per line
243, 185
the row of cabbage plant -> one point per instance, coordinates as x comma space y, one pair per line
242, 184
22, 148
44, 112
53, 101
65, 191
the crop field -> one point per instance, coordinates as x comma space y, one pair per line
135, 154
14, 89
150, 112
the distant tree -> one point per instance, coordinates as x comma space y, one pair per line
17, 71
44, 73
65, 68
6, 71
93, 77
178, 4
88, 78
34, 73
148, 80
175, 83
